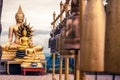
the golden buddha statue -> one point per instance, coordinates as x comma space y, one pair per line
19, 16
26, 51
9, 49
31, 59
24, 41
24, 34
22, 49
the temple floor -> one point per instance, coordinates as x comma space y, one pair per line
49, 77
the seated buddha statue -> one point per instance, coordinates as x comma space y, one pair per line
9, 49
24, 41
24, 34
13, 31
32, 58
26, 51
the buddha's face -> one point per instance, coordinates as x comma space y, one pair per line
19, 18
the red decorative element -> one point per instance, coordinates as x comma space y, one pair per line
24, 70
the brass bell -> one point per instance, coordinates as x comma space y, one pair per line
72, 33
112, 41
57, 32
52, 43
72, 29
92, 37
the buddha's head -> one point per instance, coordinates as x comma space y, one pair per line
19, 16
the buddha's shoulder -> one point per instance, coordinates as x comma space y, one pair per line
13, 26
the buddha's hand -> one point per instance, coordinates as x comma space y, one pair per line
30, 44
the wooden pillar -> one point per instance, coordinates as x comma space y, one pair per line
66, 58
54, 16
66, 68
61, 8
82, 75
53, 67
77, 65
60, 75
53, 63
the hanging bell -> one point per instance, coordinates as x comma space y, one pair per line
52, 43
112, 41
72, 33
58, 30
92, 37
62, 39
62, 34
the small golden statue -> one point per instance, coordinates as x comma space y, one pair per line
29, 54
25, 33
31, 59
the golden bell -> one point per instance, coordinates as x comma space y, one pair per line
112, 41
92, 37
